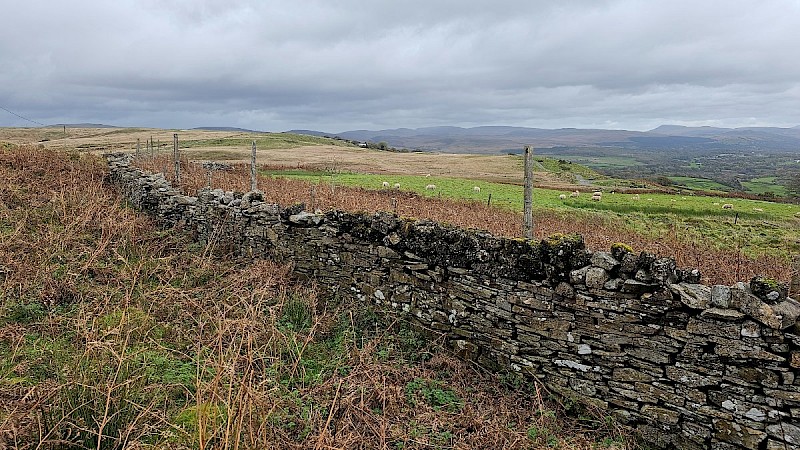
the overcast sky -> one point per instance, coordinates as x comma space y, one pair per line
337, 65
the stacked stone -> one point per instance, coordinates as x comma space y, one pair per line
686, 365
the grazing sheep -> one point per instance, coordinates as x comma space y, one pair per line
562, 196
597, 198
716, 203
635, 196
397, 185
574, 194
597, 193
430, 187
758, 210
683, 198
386, 184
476, 189
727, 206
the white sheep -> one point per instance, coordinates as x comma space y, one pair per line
430, 187
727, 206
758, 209
716, 203
386, 184
397, 185
635, 196
574, 194
597, 198
476, 189
562, 196
597, 193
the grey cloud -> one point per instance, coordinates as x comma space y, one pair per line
346, 64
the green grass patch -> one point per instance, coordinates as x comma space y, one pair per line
264, 141
765, 185
703, 184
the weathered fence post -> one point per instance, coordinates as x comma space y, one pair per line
138, 147
253, 178
794, 286
489, 201
528, 208
313, 198
176, 156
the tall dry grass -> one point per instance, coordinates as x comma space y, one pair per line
115, 334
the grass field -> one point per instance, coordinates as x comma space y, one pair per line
764, 185
756, 227
702, 184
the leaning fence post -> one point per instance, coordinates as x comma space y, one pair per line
253, 180
528, 207
177, 159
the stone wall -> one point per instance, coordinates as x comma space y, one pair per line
686, 365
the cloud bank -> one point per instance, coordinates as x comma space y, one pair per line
347, 64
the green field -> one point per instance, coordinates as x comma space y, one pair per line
755, 226
703, 184
265, 141
603, 162
765, 184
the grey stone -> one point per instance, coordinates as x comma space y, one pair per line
596, 278
720, 296
696, 296
786, 432
604, 260
306, 218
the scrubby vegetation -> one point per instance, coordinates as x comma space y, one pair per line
115, 334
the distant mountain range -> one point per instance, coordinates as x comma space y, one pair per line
501, 139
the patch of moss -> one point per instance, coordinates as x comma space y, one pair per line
621, 247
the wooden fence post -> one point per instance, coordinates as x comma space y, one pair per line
176, 156
528, 207
253, 178
138, 147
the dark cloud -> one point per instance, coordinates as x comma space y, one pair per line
347, 64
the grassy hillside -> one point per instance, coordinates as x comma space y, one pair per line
115, 334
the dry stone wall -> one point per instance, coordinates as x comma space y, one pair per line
687, 365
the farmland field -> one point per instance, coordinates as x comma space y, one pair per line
765, 184
756, 227
703, 184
